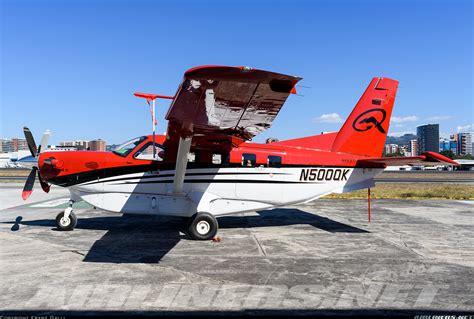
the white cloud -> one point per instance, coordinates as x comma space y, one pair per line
444, 135
403, 119
439, 118
332, 118
466, 128
398, 134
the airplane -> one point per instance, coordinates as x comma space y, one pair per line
206, 166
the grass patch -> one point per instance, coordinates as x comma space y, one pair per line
413, 191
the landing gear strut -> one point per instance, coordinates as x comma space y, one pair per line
203, 226
66, 220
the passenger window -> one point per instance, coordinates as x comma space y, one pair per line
274, 161
249, 160
146, 153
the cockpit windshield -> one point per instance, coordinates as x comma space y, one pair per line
127, 147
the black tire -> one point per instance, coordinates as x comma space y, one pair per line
203, 226
62, 225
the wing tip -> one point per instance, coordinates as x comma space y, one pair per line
440, 158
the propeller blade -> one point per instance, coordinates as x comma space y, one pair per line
30, 141
44, 141
45, 186
30, 182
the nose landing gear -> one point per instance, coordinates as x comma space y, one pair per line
66, 220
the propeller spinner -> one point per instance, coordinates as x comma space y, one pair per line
30, 181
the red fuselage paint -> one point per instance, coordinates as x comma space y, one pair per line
54, 165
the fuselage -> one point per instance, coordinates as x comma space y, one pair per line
248, 177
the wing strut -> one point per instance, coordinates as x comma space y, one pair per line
181, 163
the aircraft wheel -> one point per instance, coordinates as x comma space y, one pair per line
203, 226
68, 223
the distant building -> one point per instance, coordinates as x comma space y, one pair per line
413, 147
97, 145
13, 145
58, 148
404, 150
464, 143
6, 145
448, 145
66, 143
391, 149
19, 144
428, 138
78, 144
81, 144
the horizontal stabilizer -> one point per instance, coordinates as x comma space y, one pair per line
428, 158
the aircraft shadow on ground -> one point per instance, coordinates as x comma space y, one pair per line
145, 239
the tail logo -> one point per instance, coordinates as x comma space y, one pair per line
370, 119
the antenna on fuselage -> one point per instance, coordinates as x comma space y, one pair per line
151, 98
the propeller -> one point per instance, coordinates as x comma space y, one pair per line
35, 151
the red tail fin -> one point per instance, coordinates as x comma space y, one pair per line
365, 130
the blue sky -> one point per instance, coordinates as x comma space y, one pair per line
72, 66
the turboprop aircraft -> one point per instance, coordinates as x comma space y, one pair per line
205, 165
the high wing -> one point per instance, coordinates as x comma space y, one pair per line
221, 106
217, 107
428, 158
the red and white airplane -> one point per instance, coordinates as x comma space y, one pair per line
205, 166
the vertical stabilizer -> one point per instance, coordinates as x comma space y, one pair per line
365, 130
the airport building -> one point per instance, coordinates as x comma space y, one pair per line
428, 138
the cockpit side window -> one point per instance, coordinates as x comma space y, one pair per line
146, 152
127, 147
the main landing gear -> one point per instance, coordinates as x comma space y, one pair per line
66, 220
202, 226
